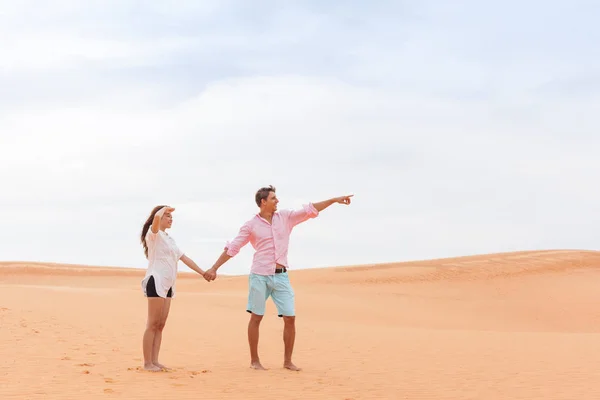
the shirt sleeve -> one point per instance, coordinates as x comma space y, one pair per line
305, 213
151, 236
233, 247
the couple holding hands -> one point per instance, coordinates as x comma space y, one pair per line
268, 231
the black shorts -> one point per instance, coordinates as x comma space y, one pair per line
151, 289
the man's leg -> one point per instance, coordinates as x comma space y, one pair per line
284, 298
253, 333
289, 337
258, 293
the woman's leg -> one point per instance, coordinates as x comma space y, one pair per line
155, 310
158, 334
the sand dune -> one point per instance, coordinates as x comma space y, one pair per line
523, 325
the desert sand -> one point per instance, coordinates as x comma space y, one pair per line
522, 325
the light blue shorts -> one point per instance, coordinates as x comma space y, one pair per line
278, 286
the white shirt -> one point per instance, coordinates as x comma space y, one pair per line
163, 255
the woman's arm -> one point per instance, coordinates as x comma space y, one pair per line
190, 263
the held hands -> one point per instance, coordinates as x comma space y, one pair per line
210, 275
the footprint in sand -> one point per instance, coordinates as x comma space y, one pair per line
138, 369
4, 309
86, 372
204, 371
109, 380
108, 391
85, 365
65, 358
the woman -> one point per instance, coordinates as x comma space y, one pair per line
159, 282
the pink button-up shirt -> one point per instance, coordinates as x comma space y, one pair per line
270, 241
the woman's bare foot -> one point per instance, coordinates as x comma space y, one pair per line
290, 365
151, 368
257, 365
159, 365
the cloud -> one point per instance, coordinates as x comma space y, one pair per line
449, 149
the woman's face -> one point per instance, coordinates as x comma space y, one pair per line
166, 221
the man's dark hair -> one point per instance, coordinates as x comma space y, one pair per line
263, 194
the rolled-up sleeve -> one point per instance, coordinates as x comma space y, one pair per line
233, 247
150, 236
305, 213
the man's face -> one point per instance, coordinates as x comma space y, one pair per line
270, 204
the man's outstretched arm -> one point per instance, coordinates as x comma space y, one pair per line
320, 206
311, 210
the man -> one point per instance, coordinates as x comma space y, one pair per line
269, 233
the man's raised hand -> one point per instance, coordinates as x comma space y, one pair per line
343, 199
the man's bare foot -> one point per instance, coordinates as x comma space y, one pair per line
257, 365
159, 365
151, 368
290, 365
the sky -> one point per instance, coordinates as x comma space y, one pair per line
461, 128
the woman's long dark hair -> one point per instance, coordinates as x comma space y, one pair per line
147, 225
